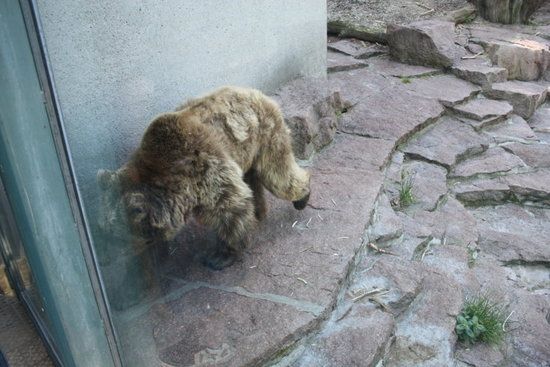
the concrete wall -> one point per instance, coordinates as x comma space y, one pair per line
117, 64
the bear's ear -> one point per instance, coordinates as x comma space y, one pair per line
105, 178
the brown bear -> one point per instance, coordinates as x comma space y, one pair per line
210, 159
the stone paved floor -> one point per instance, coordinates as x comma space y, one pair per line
19, 341
358, 278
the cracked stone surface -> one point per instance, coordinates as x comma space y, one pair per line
445, 142
355, 279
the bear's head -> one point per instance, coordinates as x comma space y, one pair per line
129, 207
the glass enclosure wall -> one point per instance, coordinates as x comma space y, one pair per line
117, 65
37, 226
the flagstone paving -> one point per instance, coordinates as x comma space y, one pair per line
361, 278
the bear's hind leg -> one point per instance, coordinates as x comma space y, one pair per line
253, 181
279, 172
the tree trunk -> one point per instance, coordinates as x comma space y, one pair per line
508, 11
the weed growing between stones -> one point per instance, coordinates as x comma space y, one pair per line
405, 80
481, 320
406, 196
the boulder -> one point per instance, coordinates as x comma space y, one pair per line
429, 42
524, 59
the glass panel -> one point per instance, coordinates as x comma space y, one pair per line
36, 220
116, 65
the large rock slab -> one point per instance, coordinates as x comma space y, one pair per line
447, 89
446, 142
428, 43
479, 71
337, 61
482, 109
526, 57
494, 160
371, 116
310, 109
524, 97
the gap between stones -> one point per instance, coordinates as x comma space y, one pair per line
304, 306
294, 350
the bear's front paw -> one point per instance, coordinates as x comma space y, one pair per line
301, 204
220, 259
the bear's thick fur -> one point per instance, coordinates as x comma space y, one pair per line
210, 158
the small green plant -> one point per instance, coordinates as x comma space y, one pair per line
480, 320
406, 196
469, 19
405, 80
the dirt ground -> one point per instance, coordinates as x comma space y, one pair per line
378, 13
